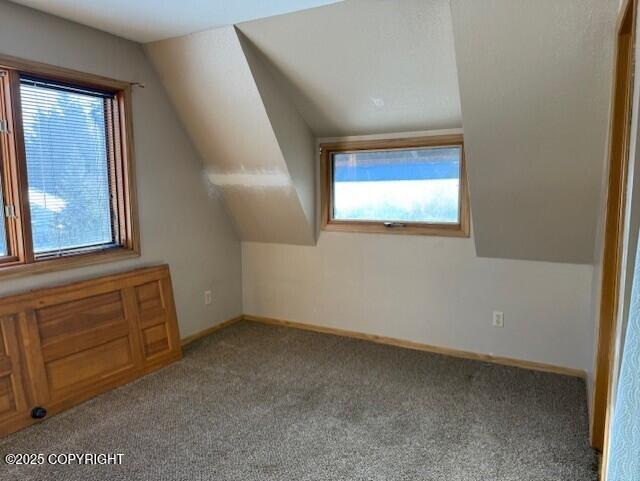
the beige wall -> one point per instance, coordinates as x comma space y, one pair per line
433, 290
425, 289
182, 221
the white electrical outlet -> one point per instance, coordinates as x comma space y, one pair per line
207, 297
498, 319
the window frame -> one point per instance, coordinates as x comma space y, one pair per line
13, 169
328, 223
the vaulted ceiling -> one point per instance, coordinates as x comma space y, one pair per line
364, 67
527, 80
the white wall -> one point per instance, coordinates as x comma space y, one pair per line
425, 289
182, 222
433, 290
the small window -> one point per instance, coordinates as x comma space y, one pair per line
413, 186
66, 168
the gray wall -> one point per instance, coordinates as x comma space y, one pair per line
535, 109
182, 220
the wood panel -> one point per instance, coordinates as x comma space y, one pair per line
83, 315
153, 304
80, 370
69, 343
12, 392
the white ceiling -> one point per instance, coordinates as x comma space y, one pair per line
366, 66
149, 20
352, 67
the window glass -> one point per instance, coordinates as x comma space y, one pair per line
413, 185
67, 166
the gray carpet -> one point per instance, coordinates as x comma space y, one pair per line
255, 402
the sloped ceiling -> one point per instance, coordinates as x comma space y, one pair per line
531, 78
528, 80
240, 103
365, 67
535, 81
212, 85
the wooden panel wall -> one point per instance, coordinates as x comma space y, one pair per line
61, 346
12, 394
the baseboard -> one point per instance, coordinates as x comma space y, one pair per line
505, 361
390, 341
199, 335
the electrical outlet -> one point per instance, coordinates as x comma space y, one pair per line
207, 297
498, 319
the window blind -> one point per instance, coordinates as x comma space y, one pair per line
68, 156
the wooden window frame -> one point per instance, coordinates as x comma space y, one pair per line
13, 169
328, 223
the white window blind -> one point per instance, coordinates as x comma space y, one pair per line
69, 166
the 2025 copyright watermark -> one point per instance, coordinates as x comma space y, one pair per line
63, 458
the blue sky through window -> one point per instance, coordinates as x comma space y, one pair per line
417, 185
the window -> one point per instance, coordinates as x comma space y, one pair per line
412, 186
66, 173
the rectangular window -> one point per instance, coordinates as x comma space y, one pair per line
415, 186
66, 170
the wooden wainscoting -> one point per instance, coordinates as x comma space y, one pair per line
63, 345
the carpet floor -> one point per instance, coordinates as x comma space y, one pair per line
255, 402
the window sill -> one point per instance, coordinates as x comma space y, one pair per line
71, 262
442, 230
